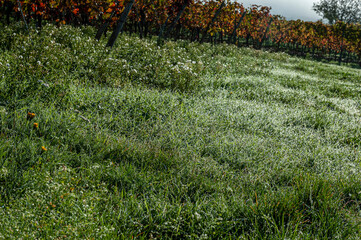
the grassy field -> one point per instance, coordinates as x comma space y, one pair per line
182, 141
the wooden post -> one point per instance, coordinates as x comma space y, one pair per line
172, 25
213, 20
120, 24
39, 21
102, 29
163, 28
9, 7
341, 52
234, 33
139, 24
143, 24
22, 14
265, 33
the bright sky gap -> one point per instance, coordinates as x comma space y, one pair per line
291, 9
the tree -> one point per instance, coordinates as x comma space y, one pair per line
348, 11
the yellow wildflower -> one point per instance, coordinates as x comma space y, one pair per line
44, 149
35, 125
31, 115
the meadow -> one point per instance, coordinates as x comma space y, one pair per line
178, 141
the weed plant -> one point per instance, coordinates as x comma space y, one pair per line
179, 141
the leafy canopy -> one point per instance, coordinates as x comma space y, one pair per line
348, 11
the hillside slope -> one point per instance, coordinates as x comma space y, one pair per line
181, 141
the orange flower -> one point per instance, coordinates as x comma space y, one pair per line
76, 11
31, 115
35, 125
44, 149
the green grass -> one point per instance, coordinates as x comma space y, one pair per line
182, 141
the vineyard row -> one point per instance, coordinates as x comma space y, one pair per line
196, 20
